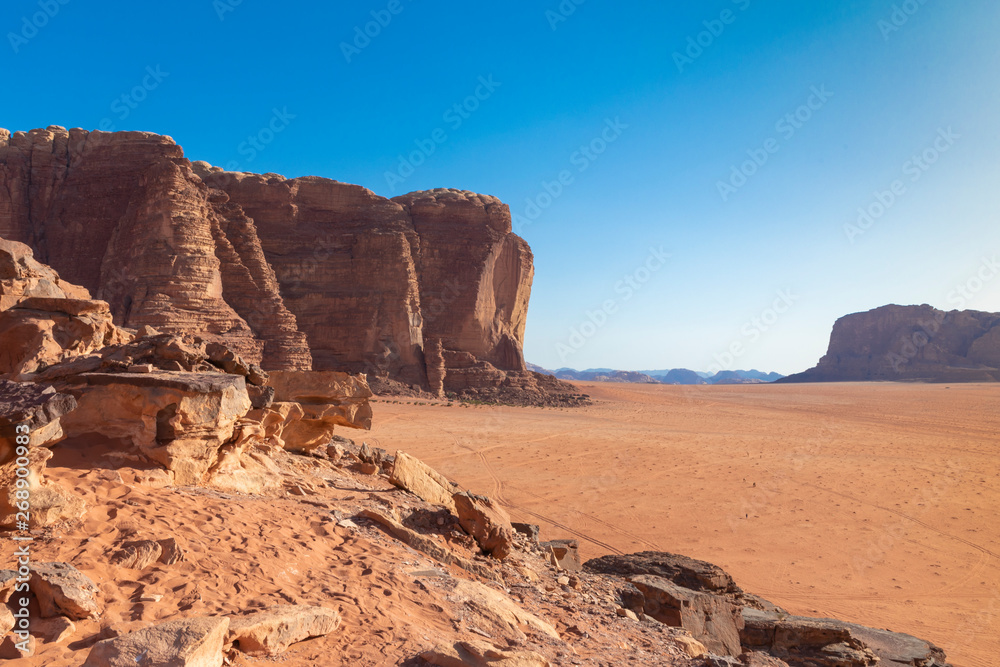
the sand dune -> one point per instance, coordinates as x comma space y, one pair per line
874, 503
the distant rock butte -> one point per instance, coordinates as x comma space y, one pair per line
911, 343
294, 274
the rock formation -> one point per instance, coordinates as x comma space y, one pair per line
428, 289
910, 343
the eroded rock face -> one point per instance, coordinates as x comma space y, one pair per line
179, 420
286, 272
895, 343
125, 216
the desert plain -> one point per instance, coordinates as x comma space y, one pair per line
876, 503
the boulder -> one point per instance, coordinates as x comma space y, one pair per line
422, 481
270, 631
831, 643
336, 398
11, 648
137, 554
687, 572
529, 530
35, 406
170, 551
179, 420
194, 642
710, 619
50, 503
481, 654
22, 277
62, 590
486, 522
565, 554
39, 332
499, 608
691, 646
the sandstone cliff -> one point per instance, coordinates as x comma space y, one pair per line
916, 343
291, 273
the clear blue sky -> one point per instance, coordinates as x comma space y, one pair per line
885, 95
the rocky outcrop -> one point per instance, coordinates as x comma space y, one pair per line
710, 619
179, 420
62, 590
30, 415
910, 343
195, 642
423, 481
39, 332
22, 277
290, 273
704, 600
486, 522
125, 216
481, 654
270, 631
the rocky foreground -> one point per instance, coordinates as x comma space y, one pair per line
425, 292
167, 502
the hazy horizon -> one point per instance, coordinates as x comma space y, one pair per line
612, 131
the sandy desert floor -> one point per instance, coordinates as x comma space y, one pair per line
874, 503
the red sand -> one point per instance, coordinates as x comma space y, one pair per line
874, 503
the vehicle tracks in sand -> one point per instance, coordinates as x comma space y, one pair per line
908, 517
499, 494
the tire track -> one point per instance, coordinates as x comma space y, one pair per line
907, 517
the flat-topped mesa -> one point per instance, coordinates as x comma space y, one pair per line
910, 343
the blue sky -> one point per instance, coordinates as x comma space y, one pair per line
641, 137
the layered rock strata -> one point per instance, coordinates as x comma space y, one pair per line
429, 289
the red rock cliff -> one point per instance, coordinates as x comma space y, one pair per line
293, 273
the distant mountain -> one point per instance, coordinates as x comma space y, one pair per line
910, 343
679, 376
596, 375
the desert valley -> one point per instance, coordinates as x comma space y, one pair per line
250, 419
